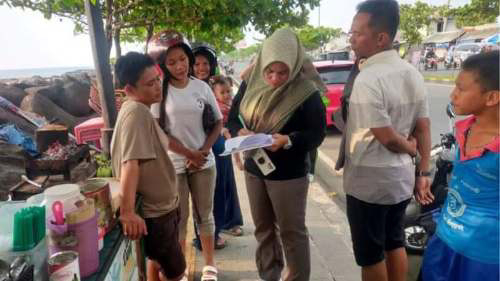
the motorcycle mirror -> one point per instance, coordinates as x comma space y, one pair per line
449, 111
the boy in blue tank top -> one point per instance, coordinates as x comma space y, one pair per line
466, 243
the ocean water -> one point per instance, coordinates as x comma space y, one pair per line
43, 72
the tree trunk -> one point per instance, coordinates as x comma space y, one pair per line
151, 27
109, 24
118, 47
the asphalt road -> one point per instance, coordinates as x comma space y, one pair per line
438, 99
331, 181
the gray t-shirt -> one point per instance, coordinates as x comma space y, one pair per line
387, 92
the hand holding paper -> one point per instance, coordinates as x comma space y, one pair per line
244, 143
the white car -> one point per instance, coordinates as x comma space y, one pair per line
464, 50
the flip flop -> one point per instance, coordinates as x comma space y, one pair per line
220, 245
235, 231
209, 273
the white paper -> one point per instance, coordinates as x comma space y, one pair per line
244, 143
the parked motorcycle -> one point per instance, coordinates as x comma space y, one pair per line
449, 62
420, 221
431, 63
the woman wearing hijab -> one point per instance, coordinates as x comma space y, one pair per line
282, 98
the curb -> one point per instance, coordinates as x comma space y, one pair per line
331, 179
440, 80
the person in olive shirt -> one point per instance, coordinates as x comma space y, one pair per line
141, 163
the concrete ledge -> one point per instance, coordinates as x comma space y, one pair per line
330, 179
448, 81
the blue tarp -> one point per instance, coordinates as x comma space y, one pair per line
13, 135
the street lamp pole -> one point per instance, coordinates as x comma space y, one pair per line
319, 14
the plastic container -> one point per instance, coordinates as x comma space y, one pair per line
68, 194
7, 211
36, 200
29, 228
23, 238
81, 238
38, 256
98, 189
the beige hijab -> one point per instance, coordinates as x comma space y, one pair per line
266, 110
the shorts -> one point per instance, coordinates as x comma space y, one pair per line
442, 263
162, 244
375, 229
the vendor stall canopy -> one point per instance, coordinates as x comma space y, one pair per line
479, 34
444, 37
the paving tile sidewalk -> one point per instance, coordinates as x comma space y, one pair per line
331, 254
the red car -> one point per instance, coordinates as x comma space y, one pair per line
334, 74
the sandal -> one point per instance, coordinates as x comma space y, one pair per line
209, 273
220, 243
235, 231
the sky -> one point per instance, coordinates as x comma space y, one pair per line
28, 40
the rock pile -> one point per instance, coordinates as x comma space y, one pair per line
59, 99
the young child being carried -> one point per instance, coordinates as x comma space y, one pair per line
221, 86
227, 211
466, 243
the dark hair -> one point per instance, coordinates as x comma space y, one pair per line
162, 120
217, 80
129, 68
384, 15
163, 56
209, 54
485, 66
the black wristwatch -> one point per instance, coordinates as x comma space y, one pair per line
422, 173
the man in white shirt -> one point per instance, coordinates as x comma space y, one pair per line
387, 118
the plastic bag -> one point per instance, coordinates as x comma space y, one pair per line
13, 135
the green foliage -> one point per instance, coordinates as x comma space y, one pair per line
311, 37
414, 17
218, 22
244, 53
72, 9
269, 15
315, 37
478, 12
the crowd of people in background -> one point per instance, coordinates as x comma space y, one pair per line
180, 111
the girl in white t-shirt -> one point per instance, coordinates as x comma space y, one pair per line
180, 114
